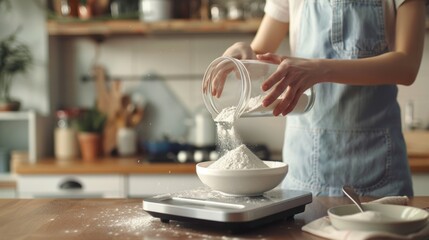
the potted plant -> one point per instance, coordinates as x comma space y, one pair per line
15, 58
91, 125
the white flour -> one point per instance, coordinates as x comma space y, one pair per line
255, 104
227, 137
226, 115
234, 154
238, 158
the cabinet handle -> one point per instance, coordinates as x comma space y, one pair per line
70, 184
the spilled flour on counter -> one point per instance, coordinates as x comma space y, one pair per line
238, 158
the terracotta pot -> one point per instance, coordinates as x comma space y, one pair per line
10, 106
90, 146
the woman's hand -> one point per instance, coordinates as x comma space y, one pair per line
239, 50
292, 77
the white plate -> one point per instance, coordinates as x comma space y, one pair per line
246, 182
387, 218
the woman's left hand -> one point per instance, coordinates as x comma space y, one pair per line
292, 77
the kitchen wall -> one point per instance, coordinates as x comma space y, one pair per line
418, 93
31, 88
59, 83
186, 56
190, 54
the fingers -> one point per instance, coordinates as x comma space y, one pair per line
292, 104
276, 92
221, 72
206, 82
270, 57
240, 50
277, 76
286, 103
286, 85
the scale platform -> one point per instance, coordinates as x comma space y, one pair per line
205, 206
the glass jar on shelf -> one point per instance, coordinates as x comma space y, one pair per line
65, 134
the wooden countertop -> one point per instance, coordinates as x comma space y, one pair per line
125, 219
102, 166
135, 165
419, 164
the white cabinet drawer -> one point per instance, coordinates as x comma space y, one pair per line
71, 186
420, 184
154, 184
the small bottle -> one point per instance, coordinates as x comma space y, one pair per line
66, 146
126, 140
240, 84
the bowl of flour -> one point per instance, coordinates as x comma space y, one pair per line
240, 172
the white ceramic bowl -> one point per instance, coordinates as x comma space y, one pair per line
395, 218
246, 182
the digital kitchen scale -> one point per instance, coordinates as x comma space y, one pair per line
205, 206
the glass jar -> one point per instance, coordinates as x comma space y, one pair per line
239, 83
65, 135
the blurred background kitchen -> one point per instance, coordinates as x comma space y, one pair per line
133, 68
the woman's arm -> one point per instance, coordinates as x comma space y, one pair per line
399, 66
267, 39
269, 36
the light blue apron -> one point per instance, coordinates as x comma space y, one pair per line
352, 135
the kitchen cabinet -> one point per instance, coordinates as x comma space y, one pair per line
7, 185
132, 177
105, 178
419, 165
103, 186
23, 131
420, 184
71, 186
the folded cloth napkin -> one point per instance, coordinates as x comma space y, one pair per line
322, 227
397, 200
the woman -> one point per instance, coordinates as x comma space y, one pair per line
354, 53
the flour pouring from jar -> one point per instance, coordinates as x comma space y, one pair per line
231, 84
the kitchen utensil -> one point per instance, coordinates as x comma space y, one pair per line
388, 218
245, 182
217, 12
126, 141
352, 195
204, 129
235, 10
204, 206
124, 8
155, 10
108, 102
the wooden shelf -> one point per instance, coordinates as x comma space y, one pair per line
136, 27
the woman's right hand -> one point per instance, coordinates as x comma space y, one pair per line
239, 50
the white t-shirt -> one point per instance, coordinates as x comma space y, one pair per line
291, 10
